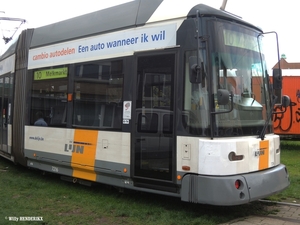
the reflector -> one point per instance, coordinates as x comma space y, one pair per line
237, 184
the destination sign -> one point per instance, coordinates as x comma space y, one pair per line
240, 40
51, 73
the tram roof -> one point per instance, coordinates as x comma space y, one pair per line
128, 15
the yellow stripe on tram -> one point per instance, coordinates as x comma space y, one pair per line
263, 154
84, 153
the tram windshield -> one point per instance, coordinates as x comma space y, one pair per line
237, 65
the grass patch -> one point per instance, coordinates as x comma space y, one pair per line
290, 157
26, 192
290, 144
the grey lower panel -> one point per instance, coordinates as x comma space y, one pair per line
107, 172
52, 167
268, 182
222, 191
49, 162
112, 168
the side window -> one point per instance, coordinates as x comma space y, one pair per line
195, 111
98, 88
49, 97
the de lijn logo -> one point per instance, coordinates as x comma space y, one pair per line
76, 147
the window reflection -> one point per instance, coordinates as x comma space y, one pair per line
98, 92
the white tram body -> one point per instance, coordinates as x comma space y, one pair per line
125, 106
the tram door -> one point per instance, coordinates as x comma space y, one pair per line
5, 98
154, 137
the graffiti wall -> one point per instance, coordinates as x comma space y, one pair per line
289, 122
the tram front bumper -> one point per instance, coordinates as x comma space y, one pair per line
236, 189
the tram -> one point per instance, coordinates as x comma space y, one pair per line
148, 97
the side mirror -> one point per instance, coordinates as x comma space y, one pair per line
277, 79
223, 96
277, 85
286, 101
223, 99
195, 70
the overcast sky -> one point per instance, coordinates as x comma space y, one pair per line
276, 15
